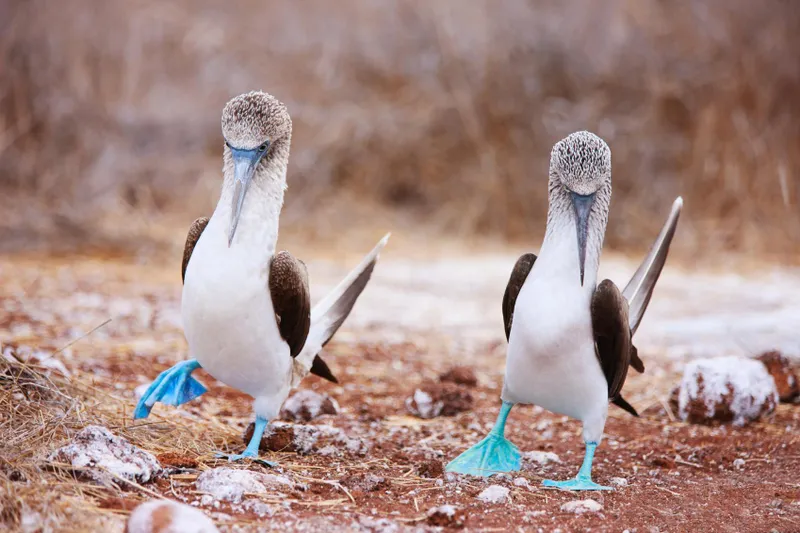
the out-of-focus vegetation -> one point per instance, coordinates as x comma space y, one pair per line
443, 109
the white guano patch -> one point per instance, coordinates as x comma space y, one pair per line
741, 384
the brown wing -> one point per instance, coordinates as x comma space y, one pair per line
195, 230
291, 300
612, 337
518, 276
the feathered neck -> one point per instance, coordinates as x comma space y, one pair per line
258, 223
560, 238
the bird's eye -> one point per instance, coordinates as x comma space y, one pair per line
263, 147
227, 144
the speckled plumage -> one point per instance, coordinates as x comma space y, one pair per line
254, 118
581, 162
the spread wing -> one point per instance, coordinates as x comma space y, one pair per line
291, 299
640, 288
612, 337
195, 230
518, 276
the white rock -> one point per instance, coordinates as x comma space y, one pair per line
619, 481
494, 494
96, 448
306, 405
258, 507
355, 446
167, 516
446, 510
542, 458
26, 354
231, 484
738, 464
726, 387
581, 506
421, 404
521, 482
376, 525
30, 521
305, 437
329, 451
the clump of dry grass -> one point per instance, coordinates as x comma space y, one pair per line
36, 413
440, 110
40, 412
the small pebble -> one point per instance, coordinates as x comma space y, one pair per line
582, 506
494, 494
166, 516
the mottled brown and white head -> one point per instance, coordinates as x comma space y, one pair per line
257, 131
253, 120
580, 176
581, 162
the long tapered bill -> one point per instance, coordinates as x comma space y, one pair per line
244, 166
640, 287
583, 208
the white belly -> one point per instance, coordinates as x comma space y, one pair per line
551, 359
229, 320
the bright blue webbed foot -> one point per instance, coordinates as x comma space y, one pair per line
575, 484
492, 455
174, 386
583, 481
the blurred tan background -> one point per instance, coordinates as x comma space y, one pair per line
419, 116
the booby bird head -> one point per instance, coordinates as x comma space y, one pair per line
581, 164
252, 124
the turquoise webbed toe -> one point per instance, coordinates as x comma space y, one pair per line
251, 452
493, 455
583, 481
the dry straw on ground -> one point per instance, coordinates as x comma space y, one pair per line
39, 412
443, 110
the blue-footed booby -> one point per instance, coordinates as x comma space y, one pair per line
570, 345
246, 308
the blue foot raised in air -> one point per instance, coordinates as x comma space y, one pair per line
583, 481
492, 455
251, 452
173, 386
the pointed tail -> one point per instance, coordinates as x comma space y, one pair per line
329, 314
640, 287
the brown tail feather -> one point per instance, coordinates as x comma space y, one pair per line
619, 401
320, 368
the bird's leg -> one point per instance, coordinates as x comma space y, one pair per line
173, 386
251, 452
583, 481
492, 455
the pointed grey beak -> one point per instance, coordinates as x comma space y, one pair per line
583, 208
244, 167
